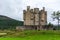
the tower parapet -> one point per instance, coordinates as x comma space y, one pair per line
31, 11
36, 10
28, 8
24, 11
43, 8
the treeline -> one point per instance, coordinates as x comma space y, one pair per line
10, 24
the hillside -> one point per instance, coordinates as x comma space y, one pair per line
6, 22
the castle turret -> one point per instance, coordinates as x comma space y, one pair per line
31, 10
36, 10
43, 8
28, 8
24, 14
24, 11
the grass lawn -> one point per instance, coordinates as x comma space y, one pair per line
34, 35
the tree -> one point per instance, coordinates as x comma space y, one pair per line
49, 25
56, 15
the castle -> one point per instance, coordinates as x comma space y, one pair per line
35, 18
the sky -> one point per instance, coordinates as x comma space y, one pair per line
14, 8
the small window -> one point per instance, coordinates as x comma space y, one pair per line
45, 14
46, 21
42, 20
24, 18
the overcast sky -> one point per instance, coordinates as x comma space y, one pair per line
14, 8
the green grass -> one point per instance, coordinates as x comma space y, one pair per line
32, 35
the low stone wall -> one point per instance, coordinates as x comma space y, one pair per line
20, 28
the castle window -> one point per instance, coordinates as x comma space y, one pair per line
45, 14
42, 20
46, 21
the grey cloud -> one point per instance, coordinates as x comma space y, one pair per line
11, 8
14, 8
